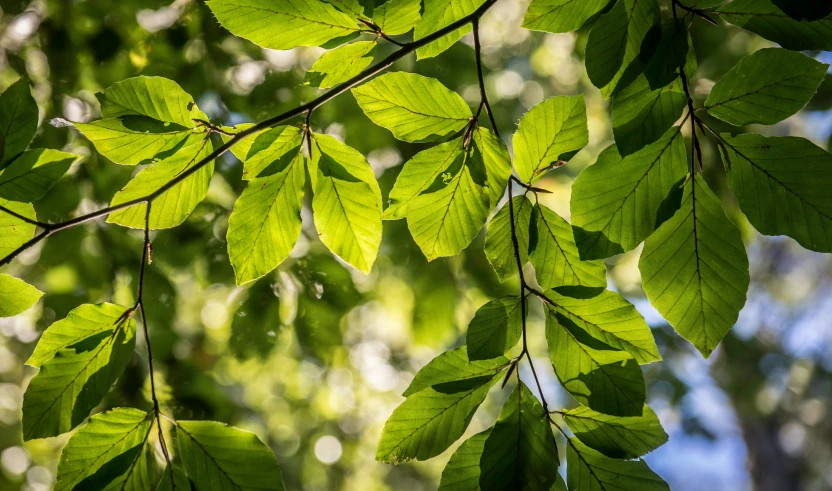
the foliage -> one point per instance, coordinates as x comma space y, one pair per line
644, 189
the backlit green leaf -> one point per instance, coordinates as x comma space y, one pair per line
766, 19
454, 365
641, 116
497, 162
28, 177
174, 479
14, 232
132, 140
617, 437
18, 120
16, 296
396, 17
462, 473
340, 64
266, 152
499, 247
439, 14
561, 15
154, 97
495, 328
587, 469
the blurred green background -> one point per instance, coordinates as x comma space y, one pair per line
314, 357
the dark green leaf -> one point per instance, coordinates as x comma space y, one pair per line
462, 473
766, 19
495, 328
641, 116
18, 120
499, 246
28, 177
617, 437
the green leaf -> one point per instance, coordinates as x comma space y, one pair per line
454, 365
617, 437
591, 470
640, 116
174, 479
415, 108
81, 323
33, 173
620, 44
520, 452
608, 317
107, 452
673, 51
437, 15
617, 203
340, 64
172, 206
694, 269
15, 232
462, 473
346, 203
396, 17
447, 216
154, 97
752, 92
18, 120
265, 223
554, 255
596, 375
283, 24
73, 382
351, 7
551, 131
764, 18
266, 152
419, 173
16, 296
219, 457
429, 421
497, 162
561, 15
495, 328
499, 246
132, 140
782, 185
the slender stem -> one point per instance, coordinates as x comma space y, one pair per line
24, 218
366, 74
483, 97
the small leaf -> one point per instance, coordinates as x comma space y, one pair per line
28, 177
551, 131
520, 452
415, 108
588, 469
617, 203
462, 473
396, 17
753, 92
217, 457
764, 18
641, 116
437, 15
18, 120
617, 437
340, 64
154, 97
283, 24
454, 365
16, 296
495, 328
266, 152
694, 269
107, 452
15, 232
555, 256
346, 203
561, 15
595, 374
173, 205
499, 246
782, 185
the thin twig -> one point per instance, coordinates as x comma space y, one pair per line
483, 97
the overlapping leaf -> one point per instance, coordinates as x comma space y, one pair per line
396, 17
16, 296
561, 15
454, 365
499, 244
616, 437
640, 116
15, 231
437, 15
766, 19
28, 177
462, 473
266, 152
591, 470
18, 120
340, 64
495, 328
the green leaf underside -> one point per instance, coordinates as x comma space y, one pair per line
414, 107
108, 451
617, 203
752, 92
499, 247
266, 152
430, 420
82, 322
174, 479
437, 15
173, 206
551, 131
33, 173
591, 470
265, 223
555, 256
619, 44
597, 376
73, 382
18, 120
131, 140
694, 269
495, 328
283, 24
340, 64
454, 365
396, 17
154, 97
765, 19
462, 473
640, 116
14, 232
561, 15
16, 296
497, 163
520, 451
608, 317
617, 437
783, 186
218, 457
